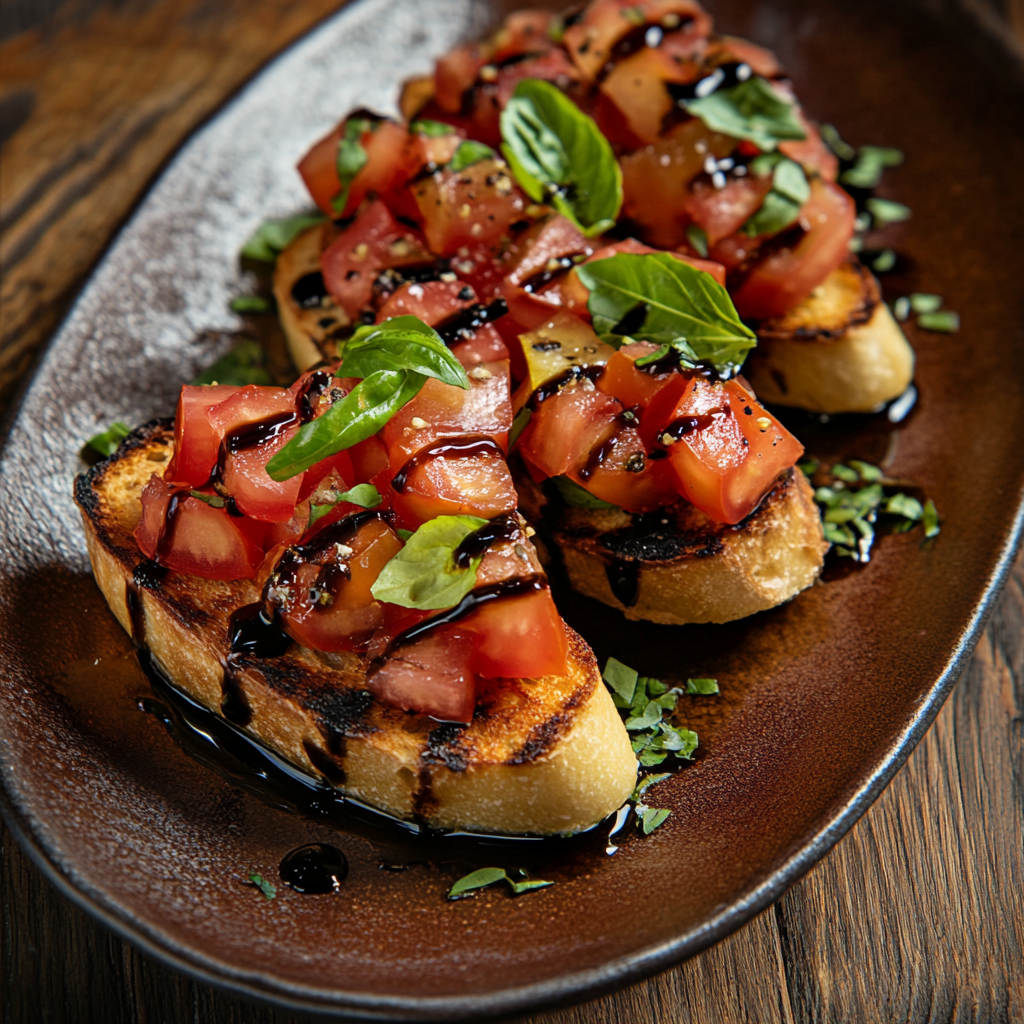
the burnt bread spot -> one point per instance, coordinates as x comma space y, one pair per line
541, 739
445, 746
342, 711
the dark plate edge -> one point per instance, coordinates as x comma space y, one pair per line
569, 988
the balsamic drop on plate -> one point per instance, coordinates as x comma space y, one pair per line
315, 869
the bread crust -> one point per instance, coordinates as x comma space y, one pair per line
541, 756
840, 350
677, 566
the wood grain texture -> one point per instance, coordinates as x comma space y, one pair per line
915, 916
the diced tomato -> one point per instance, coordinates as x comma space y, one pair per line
637, 86
390, 162
624, 381
369, 459
552, 66
486, 346
811, 153
372, 243
627, 478
549, 239
723, 211
788, 275
523, 31
187, 535
454, 75
761, 61
591, 41
256, 423
435, 676
433, 149
431, 301
474, 206
656, 179
729, 452
196, 440
520, 636
567, 426
323, 597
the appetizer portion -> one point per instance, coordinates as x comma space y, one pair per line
717, 160
339, 567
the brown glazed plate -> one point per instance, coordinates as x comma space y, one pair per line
822, 700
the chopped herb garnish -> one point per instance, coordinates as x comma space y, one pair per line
432, 129
559, 156
751, 110
901, 308
886, 211
244, 364
274, 235
469, 153
404, 535
945, 322
698, 238
884, 261
852, 503
264, 885
213, 500
658, 298
579, 497
925, 302
352, 157
647, 701
781, 206
250, 304
702, 687
650, 817
424, 574
835, 142
930, 520
363, 495
871, 162
109, 441
483, 877
394, 359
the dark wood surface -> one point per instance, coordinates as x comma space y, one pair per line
917, 915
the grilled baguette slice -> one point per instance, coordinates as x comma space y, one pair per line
542, 756
840, 350
677, 566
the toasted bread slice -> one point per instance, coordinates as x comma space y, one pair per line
542, 756
677, 566
840, 350
312, 330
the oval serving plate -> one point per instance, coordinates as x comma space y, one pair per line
821, 700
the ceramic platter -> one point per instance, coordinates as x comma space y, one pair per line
822, 699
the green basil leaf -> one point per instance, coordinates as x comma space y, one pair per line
904, 505
866, 471
651, 817
789, 180
945, 322
925, 302
359, 415
529, 884
774, 214
702, 686
363, 495
752, 110
250, 304
650, 717
681, 306
621, 680
245, 364
109, 441
265, 886
835, 142
402, 343
478, 879
432, 129
470, 153
213, 500
423, 574
559, 156
351, 158
886, 211
579, 497
931, 519
871, 162
274, 235
645, 784
698, 238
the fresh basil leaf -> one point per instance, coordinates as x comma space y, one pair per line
274, 235
945, 322
764, 164
579, 497
866, 471
651, 817
359, 415
751, 110
845, 473
559, 156
245, 364
650, 717
250, 304
265, 886
775, 213
469, 153
925, 302
835, 142
483, 877
931, 520
808, 467
432, 129
363, 495
871, 162
702, 686
402, 343
404, 535
789, 180
621, 680
884, 261
423, 574
351, 158
645, 784
213, 500
698, 238
905, 505
109, 440
886, 211
681, 306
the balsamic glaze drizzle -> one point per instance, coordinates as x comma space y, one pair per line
461, 326
501, 528
310, 291
573, 374
314, 870
452, 447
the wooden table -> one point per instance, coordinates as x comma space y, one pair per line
915, 916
